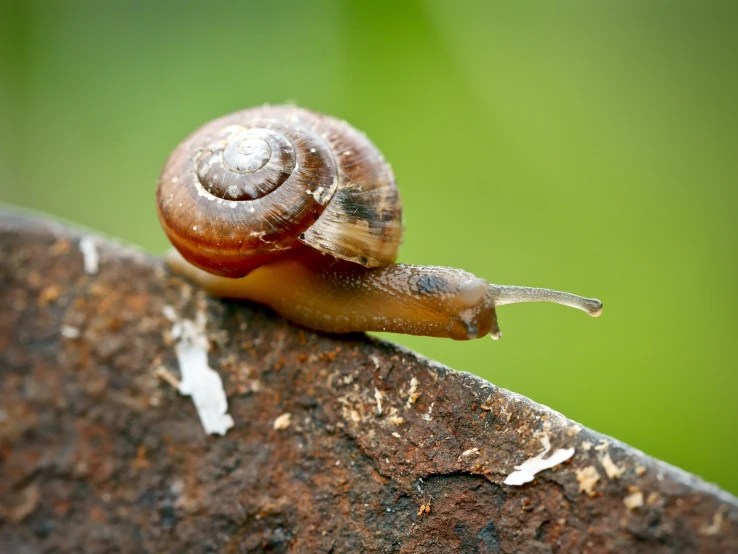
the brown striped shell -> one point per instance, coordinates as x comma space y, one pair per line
249, 187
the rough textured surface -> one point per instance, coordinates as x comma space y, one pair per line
98, 454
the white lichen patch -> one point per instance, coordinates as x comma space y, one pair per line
90, 257
199, 380
527, 471
587, 479
282, 422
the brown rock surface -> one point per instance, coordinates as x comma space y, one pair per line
383, 451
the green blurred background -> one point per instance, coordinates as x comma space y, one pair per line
586, 146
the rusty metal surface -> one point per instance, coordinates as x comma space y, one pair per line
98, 454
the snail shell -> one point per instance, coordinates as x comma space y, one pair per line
250, 187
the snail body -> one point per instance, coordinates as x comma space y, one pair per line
299, 211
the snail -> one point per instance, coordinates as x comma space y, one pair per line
299, 211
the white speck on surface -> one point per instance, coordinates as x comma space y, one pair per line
194, 227
177, 487
282, 422
393, 418
69, 332
716, 525
602, 446
378, 398
199, 380
412, 393
587, 479
318, 195
428, 416
527, 471
165, 375
469, 453
396, 435
573, 431
90, 256
633, 500
611, 470
169, 313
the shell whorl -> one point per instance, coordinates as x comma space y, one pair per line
248, 187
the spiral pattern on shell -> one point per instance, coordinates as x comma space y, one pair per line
250, 187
